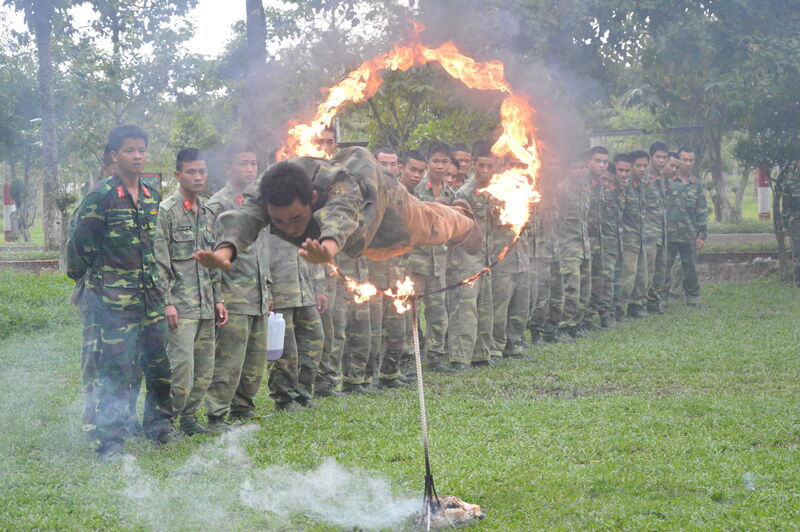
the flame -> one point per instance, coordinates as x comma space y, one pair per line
362, 292
403, 291
514, 189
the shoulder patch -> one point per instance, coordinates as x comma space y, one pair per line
336, 190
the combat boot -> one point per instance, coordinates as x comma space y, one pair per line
359, 389
191, 427
242, 417
459, 367
112, 451
607, 322
654, 308
327, 391
305, 402
635, 311
166, 436
438, 367
561, 336
574, 331
391, 383
217, 424
481, 363
288, 407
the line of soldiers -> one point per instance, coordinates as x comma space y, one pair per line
152, 311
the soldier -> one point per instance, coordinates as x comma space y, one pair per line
296, 294
465, 164
193, 294
790, 216
610, 214
413, 170
451, 177
241, 345
673, 283
574, 247
597, 167
470, 317
113, 250
623, 167
387, 158
393, 325
687, 215
427, 265
656, 225
634, 259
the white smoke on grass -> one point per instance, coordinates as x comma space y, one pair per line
219, 487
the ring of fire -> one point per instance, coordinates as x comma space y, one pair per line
514, 188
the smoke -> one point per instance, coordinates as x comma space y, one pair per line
219, 487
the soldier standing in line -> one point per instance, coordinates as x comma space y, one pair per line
611, 213
194, 304
687, 216
673, 282
790, 216
470, 314
574, 247
113, 249
297, 295
427, 265
623, 166
634, 259
657, 216
387, 158
465, 165
597, 167
241, 345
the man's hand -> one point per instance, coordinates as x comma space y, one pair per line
171, 313
322, 303
215, 260
221, 314
270, 305
317, 252
700, 243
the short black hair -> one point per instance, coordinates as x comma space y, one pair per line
684, 149
455, 163
612, 168
437, 146
595, 150
639, 154
285, 182
414, 154
481, 148
236, 147
460, 146
674, 155
187, 155
387, 151
107, 156
332, 130
622, 157
658, 146
118, 135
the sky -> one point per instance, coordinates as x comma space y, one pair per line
212, 18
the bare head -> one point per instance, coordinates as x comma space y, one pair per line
290, 196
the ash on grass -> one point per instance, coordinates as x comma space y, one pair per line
218, 486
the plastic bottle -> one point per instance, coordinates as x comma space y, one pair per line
276, 328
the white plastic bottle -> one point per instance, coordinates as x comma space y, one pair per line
276, 328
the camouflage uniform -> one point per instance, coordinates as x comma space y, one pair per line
510, 293
329, 372
596, 244
112, 249
194, 290
470, 316
634, 260
687, 215
790, 216
575, 251
548, 307
355, 350
654, 238
427, 266
376, 321
242, 343
658, 290
364, 209
292, 376
393, 325
611, 213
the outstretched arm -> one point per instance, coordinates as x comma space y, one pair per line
317, 252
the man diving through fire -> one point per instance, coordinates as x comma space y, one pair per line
347, 203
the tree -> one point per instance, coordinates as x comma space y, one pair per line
773, 140
39, 15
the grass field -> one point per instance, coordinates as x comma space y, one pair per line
684, 421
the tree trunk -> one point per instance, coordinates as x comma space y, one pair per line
784, 262
736, 210
51, 218
252, 110
722, 204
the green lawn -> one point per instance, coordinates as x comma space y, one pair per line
683, 421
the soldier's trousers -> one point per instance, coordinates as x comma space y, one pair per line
634, 265
644, 282
611, 257
436, 322
577, 288
355, 350
691, 284
89, 372
658, 287
393, 334
540, 307
376, 335
511, 302
329, 372
190, 348
239, 361
470, 323
292, 376
121, 341
595, 307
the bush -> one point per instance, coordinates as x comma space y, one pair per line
738, 228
